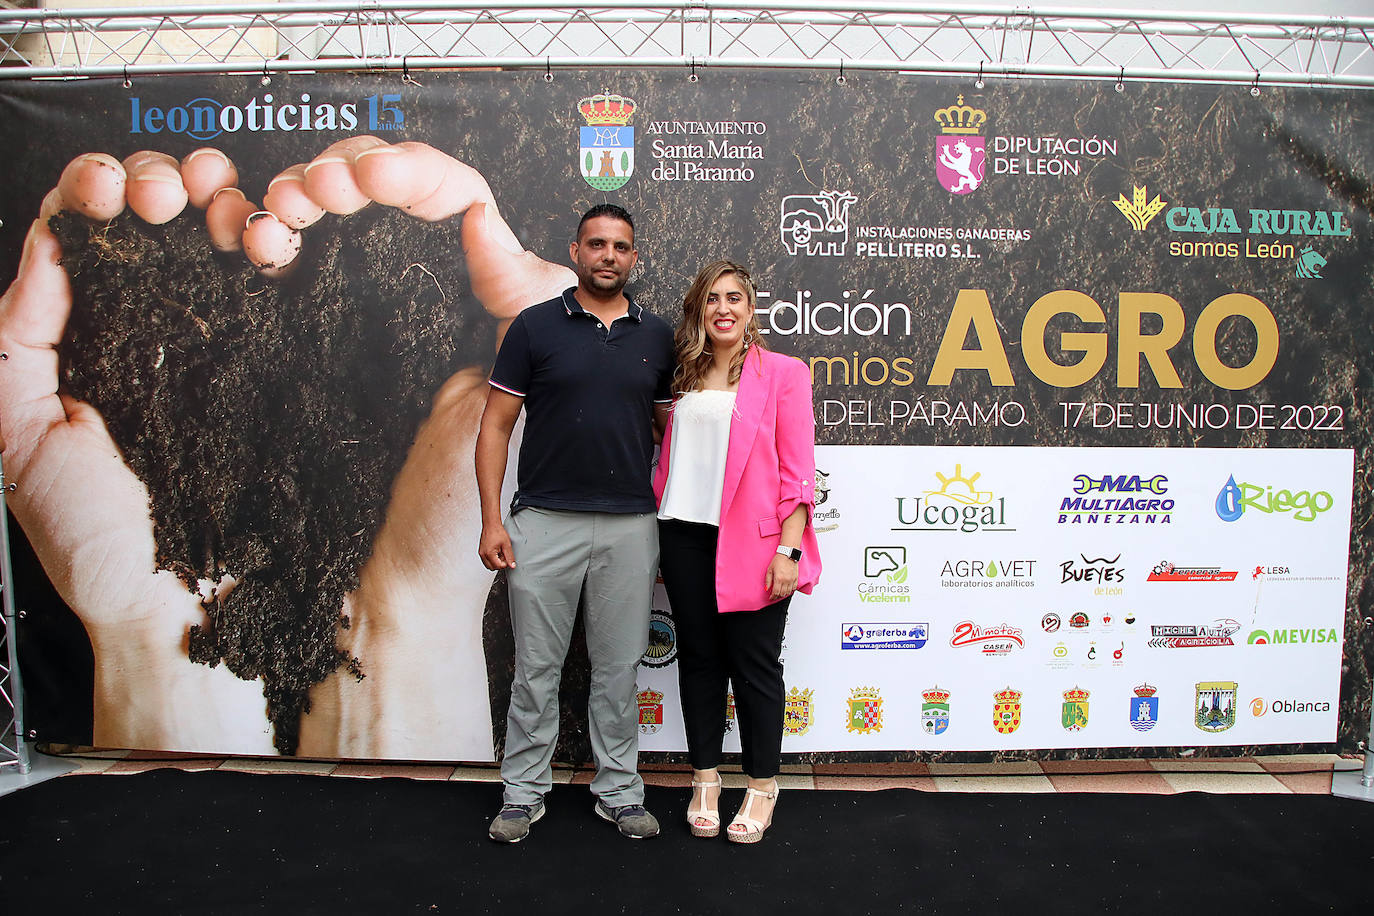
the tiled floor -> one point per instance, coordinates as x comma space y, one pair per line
1306, 774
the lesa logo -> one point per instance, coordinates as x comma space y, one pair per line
958, 505
606, 149
1234, 499
960, 150
1139, 209
816, 224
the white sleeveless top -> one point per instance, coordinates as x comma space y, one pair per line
696, 461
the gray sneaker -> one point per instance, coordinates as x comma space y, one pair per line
512, 824
632, 820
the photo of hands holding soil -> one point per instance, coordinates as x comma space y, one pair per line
269, 412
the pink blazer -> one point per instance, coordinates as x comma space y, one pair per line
770, 469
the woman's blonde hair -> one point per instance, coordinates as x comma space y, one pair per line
690, 342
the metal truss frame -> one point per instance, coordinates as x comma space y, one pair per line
13, 750
404, 35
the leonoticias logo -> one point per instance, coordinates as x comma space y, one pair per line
205, 118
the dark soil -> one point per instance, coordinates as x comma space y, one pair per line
268, 419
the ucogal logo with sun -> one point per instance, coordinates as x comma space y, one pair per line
962, 502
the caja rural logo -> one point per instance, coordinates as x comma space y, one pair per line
606, 147
206, 118
1227, 224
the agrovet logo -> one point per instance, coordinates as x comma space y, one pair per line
606, 145
205, 118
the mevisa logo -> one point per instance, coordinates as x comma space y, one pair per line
1292, 637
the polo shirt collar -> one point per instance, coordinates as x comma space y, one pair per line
573, 307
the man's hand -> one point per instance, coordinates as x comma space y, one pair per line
495, 549
416, 615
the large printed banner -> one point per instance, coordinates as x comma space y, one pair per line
1091, 373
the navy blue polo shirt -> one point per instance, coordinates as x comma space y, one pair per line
589, 396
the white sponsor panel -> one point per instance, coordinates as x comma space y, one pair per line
1100, 597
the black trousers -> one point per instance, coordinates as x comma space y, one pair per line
742, 647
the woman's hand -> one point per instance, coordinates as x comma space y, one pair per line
781, 578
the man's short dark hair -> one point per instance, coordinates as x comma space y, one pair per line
611, 210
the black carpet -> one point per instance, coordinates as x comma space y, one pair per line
220, 842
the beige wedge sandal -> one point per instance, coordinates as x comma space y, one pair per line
753, 827
711, 816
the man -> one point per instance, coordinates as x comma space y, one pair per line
592, 371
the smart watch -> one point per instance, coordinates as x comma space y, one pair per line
792, 553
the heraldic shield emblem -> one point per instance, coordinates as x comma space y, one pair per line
934, 711
865, 711
1075, 710
796, 712
606, 147
960, 153
1006, 711
650, 711
1215, 705
1144, 711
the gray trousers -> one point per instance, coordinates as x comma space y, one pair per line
609, 561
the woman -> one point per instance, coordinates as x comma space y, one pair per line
735, 486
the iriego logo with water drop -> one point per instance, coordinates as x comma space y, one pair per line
1235, 499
